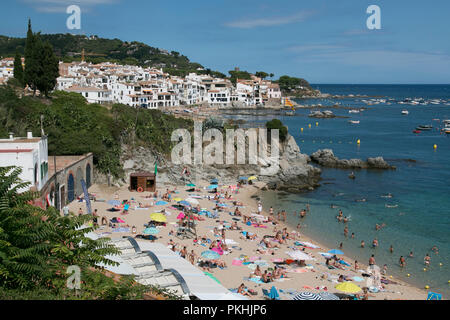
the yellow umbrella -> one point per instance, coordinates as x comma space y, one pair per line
252, 178
177, 199
348, 287
158, 217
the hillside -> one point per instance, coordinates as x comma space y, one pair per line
68, 47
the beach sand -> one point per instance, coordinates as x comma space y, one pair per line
306, 279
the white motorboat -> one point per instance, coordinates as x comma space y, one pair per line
354, 121
405, 112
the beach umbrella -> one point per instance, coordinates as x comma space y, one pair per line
210, 255
192, 201
114, 202
158, 217
213, 186
252, 178
161, 203
335, 251
328, 296
214, 181
307, 296
348, 287
299, 255
190, 185
184, 203
180, 216
243, 178
273, 293
177, 199
151, 230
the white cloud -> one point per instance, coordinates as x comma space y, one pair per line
269, 21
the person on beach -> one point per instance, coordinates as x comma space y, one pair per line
411, 255
243, 290
372, 260
384, 271
271, 211
192, 257
104, 221
183, 252
391, 249
345, 220
402, 261
363, 244
257, 272
266, 277
133, 230
356, 265
80, 212
353, 235
341, 245
259, 207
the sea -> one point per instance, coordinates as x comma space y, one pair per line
417, 215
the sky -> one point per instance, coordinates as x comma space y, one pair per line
323, 41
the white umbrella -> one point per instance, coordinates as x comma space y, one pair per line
192, 201
298, 255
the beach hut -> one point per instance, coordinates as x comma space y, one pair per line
143, 181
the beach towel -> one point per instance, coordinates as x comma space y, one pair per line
255, 280
137, 208
298, 270
236, 262
230, 241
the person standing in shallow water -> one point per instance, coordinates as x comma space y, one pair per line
402, 261
391, 249
363, 244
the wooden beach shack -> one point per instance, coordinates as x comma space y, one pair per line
142, 181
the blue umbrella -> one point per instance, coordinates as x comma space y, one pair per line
222, 205
335, 251
114, 202
210, 255
214, 181
151, 230
184, 203
161, 203
243, 178
213, 186
273, 294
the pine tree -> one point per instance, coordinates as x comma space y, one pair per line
31, 64
49, 68
18, 68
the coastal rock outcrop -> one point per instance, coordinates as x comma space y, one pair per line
326, 158
293, 174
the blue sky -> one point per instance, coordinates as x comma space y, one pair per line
323, 41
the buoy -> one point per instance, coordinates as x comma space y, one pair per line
440, 264
408, 275
301, 129
424, 269
317, 124
435, 146
309, 125
358, 141
390, 276
427, 287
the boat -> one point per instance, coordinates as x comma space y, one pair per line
446, 128
289, 113
353, 111
354, 121
405, 112
424, 127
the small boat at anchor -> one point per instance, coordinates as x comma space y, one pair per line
354, 121
405, 112
424, 127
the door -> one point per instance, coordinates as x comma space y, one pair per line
70, 188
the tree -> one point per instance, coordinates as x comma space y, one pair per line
271, 75
277, 124
261, 74
49, 68
31, 63
18, 68
239, 75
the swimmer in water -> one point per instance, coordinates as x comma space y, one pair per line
375, 243
402, 261
411, 255
363, 244
391, 249
427, 260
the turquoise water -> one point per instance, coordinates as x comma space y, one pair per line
421, 189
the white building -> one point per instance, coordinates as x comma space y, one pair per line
31, 154
93, 94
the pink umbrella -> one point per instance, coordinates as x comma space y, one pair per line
120, 220
218, 250
180, 216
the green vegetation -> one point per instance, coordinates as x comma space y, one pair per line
277, 124
75, 127
41, 64
234, 75
37, 247
288, 84
18, 68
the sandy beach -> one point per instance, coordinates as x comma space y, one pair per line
315, 276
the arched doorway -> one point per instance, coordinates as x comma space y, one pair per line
70, 188
79, 176
88, 175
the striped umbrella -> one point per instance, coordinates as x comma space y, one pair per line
328, 296
210, 255
307, 296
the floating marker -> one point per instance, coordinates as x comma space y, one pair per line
358, 141
309, 125
440, 264
435, 146
317, 124
427, 287
408, 275
301, 129
424, 269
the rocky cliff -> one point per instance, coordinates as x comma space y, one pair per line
326, 158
